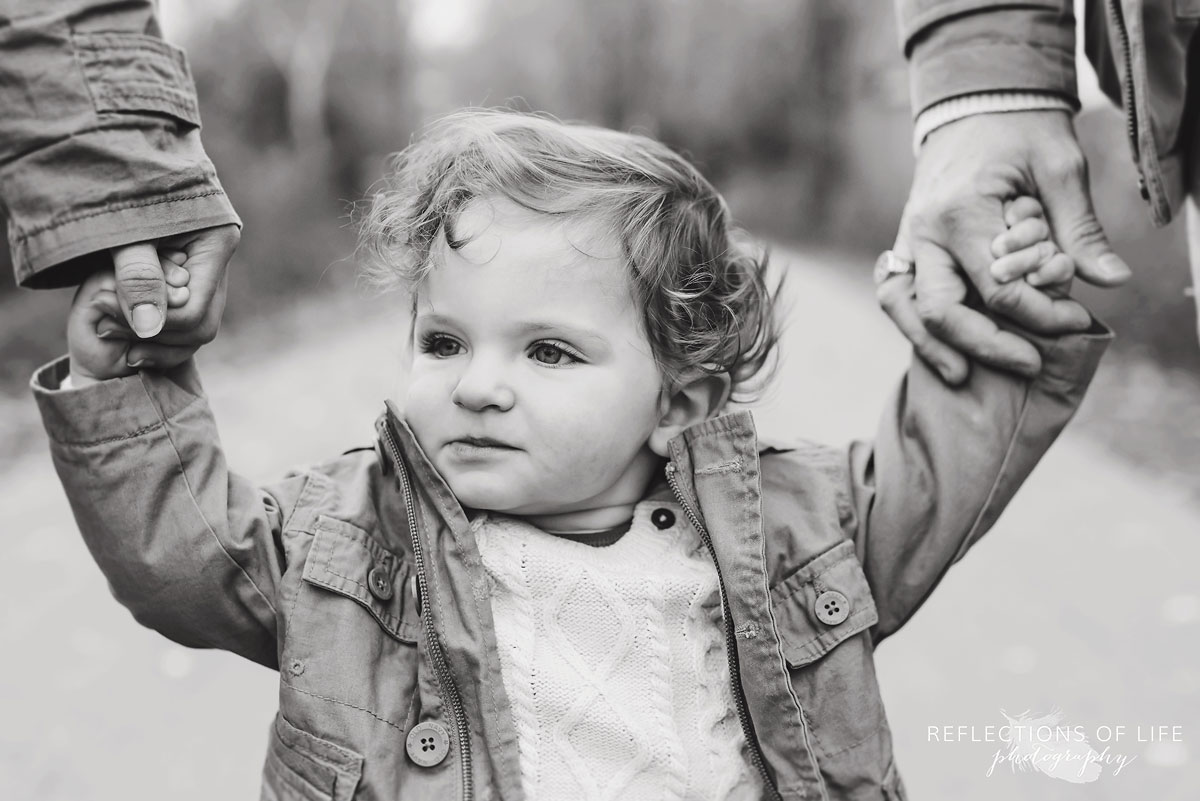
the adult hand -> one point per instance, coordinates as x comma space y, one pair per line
162, 334
964, 174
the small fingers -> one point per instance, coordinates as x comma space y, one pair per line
1058, 269
177, 276
172, 256
177, 296
1022, 208
1023, 262
1023, 234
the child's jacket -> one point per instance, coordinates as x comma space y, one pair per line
360, 582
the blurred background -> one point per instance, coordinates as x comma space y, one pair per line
798, 110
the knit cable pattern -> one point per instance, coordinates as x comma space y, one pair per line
613, 660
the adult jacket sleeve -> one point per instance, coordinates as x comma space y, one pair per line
99, 137
961, 47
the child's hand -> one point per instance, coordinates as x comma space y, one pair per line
1026, 250
101, 346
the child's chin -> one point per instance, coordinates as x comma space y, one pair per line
483, 495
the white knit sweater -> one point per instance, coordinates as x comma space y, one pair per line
614, 660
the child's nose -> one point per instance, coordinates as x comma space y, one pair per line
483, 386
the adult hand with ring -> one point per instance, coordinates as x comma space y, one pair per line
895, 289
966, 171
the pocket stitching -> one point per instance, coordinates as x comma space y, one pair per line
341, 763
395, 625
173, 96
813, 642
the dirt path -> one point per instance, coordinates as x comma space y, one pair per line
1084, 597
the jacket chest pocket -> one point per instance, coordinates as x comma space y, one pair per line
352, 626
823, 612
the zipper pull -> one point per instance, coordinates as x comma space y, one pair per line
670, 468
1142, 186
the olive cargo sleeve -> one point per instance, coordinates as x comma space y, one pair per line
962, 47
99, 137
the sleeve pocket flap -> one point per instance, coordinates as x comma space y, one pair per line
130, 72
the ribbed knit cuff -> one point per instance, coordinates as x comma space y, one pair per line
956, 108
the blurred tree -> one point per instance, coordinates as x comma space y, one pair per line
300, 39
738, 84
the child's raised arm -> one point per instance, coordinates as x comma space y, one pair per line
946, 461
193, 550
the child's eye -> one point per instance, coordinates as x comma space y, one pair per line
440, 346
553, 355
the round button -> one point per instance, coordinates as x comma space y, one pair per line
380, 583
428, 743
663, 519
831, 607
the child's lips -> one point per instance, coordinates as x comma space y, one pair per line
478, 447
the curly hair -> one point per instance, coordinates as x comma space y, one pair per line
700, 282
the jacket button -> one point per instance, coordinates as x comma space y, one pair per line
380, 583
662, 519
428, 743
832, 607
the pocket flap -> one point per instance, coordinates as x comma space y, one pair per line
804, 634
315, 768
342, 559
131, 72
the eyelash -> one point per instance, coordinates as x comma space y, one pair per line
431, 339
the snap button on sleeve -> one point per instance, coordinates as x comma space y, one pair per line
428, 743
380, 583
662, 519
831, 607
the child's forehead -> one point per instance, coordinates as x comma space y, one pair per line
496, 240
485, 220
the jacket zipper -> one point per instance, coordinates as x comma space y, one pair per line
739, 697
437, 656
1131, 120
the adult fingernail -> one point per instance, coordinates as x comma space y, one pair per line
1112, 267
147, 320
136, 364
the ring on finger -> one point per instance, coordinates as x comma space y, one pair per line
889, 264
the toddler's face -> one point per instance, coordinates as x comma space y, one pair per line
532, 387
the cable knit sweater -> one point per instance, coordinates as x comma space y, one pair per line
614, 661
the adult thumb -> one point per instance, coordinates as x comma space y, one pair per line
141, 287
1078, 232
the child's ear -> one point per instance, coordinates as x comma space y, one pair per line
695, 397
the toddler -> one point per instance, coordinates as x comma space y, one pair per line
565, 571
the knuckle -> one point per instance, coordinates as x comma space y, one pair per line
1085, 230
1004, 298
1068, 168
139, 278
887, 294
931, 312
